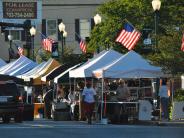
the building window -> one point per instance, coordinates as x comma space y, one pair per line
16, 34
85, 28
52, 28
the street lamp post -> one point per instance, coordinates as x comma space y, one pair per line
62, 30
33, 33
10, 38
97, 20
156, 4
64, 36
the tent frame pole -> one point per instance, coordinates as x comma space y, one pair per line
102, 96
74, 89
70, 84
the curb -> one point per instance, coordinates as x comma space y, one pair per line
145, 123
175, 124
159, 123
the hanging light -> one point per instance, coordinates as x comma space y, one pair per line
61, 27
32, 31
65, 34
10, 37
156, 4
97, 19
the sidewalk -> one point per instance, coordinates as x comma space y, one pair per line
171, 123
177, 123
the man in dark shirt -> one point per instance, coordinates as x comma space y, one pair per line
48, 98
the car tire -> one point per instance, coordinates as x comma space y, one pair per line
6, 119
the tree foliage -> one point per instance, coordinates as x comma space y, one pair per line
170, 57
67, 58
114, 14
141, 15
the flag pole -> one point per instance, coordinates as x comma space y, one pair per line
132, 25
42, 34
80, 41
126, 20
20, 52
78, 35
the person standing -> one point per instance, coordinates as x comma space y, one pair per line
80, 88
123, 93
60, 92
72, 101
88, 98
48, 98
164, 93
120, 110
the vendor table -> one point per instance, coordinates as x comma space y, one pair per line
135, 103
120, 110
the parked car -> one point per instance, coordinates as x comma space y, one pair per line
11, 104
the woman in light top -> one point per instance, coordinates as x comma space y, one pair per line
88, 97
164, 93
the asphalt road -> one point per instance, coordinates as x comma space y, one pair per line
52, 129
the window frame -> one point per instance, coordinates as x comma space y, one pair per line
56, 29
19, 31
89, 28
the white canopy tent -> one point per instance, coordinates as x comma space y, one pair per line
64, 73
42, 70
130, 65
7, 66
35, 70
17, 67
102, 59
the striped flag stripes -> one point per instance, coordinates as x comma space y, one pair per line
182, 43
47, 43
83, 46
128, 36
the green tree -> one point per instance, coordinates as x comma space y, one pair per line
114, 14
170, 57
42, 55
140, 13
68, 57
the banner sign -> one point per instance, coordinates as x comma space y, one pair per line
20, 10
17, 11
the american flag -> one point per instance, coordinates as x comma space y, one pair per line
128, 36
47, 43
20, 50
83, 46
182, 43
